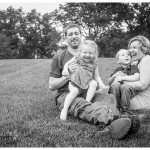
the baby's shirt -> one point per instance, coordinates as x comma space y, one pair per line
130, 70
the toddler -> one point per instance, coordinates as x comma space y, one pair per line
85, 78
126, 72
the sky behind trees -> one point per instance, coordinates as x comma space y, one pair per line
41, 7
46, 6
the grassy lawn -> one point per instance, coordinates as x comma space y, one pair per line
29, 117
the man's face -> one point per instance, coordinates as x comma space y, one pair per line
73, 37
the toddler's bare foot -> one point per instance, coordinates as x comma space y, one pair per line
99, 91
105, 90
63, 114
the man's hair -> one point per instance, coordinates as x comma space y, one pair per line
92, 44
72, 26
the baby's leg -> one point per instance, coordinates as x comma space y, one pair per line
91, 90
74, 91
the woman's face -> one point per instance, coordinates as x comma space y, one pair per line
135, 51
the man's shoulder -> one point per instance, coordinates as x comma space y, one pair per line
60, 53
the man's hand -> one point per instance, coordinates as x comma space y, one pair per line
65, 71
73, 66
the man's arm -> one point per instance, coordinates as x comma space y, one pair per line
55, 83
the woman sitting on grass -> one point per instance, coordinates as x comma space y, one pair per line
139, 48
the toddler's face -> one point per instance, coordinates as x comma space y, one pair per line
124, 57
87, 53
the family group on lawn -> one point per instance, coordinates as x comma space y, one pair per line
80, 91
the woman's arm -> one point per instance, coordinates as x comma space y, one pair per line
144, 82
132, 78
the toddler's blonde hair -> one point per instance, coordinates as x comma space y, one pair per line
117, 54
90, 43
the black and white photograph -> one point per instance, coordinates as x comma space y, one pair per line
74, 74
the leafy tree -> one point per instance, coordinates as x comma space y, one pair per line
30, 33
111, 25
5, 50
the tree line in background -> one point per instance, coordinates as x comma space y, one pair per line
110, 25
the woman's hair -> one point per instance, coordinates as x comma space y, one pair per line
92, 44
72, 26
144, 43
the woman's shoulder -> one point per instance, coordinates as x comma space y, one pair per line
146, 59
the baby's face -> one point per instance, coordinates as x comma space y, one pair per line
124, 57
87, 53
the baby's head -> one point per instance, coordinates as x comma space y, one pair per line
88, 50
123, 57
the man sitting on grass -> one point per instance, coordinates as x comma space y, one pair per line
102, 108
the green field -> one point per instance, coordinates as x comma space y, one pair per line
30, 118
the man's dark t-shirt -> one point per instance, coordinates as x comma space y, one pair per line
57, 65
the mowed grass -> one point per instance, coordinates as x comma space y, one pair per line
30, 118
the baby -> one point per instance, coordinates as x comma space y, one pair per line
126, 72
